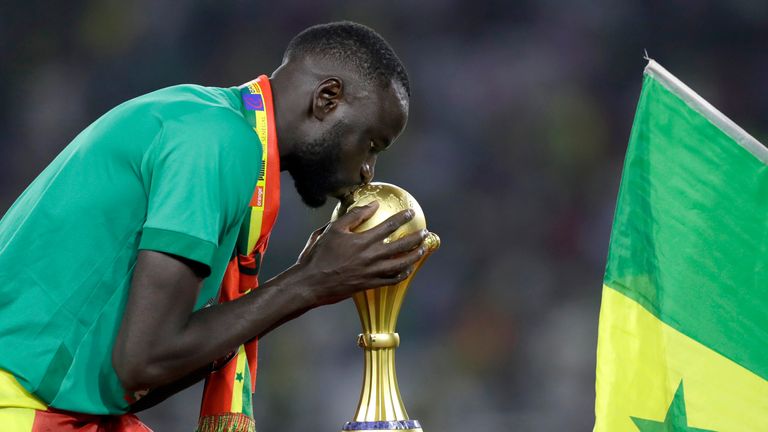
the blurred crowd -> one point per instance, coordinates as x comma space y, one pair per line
519, 120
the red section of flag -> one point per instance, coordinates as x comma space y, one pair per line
259, 195
65, 421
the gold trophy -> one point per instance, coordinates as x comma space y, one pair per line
381, 407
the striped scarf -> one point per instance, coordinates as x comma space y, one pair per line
227, 404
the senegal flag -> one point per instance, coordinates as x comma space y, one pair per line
683, 337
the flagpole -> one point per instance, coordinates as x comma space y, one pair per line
696, 102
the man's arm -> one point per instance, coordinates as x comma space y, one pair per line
159, 394
161, 340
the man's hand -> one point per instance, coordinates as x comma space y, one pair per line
311, 241
338, 262
161, 340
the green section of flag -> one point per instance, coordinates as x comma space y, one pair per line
690, 234
247, 393
675, 420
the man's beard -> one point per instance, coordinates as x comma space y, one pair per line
314, 167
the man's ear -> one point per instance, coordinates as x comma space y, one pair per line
326, 97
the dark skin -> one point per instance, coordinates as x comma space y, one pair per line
323, 93
165, 346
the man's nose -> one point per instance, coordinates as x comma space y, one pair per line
366, 172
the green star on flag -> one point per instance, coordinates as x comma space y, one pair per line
676, 419
239, 376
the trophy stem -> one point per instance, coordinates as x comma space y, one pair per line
381, 407
380, 398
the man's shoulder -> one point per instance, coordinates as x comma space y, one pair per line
184, 99
192, 92
195, 109
203, 118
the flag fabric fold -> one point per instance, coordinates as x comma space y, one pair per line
683, 333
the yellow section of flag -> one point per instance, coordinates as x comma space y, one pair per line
641, 362
237, 388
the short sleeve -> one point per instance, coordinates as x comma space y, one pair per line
200, 172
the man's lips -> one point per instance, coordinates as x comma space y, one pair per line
345, 194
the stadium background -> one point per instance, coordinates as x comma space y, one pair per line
519, 119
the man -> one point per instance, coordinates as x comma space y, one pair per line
109, 257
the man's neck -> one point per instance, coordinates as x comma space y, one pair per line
282, 102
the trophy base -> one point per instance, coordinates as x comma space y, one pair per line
383, 426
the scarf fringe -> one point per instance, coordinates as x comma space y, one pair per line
226, 422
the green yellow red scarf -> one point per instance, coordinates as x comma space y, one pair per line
226, 404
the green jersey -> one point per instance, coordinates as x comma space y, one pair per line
170, 171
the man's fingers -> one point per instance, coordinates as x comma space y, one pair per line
391, 225
394, 277
318, 232
395, 266
401, 245
312, 240
315, 235
353, 218
380, 282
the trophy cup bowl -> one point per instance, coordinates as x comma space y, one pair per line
381, 407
